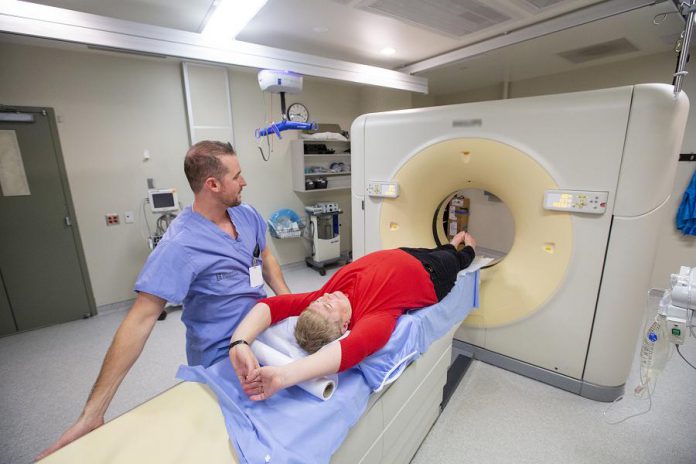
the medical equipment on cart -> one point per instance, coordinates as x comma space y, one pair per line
164, 202
323, 234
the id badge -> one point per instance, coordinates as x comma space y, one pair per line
255, 276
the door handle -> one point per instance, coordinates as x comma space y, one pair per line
68, 222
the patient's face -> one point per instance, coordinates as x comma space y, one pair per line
335, 307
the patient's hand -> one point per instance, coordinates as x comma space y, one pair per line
271, 379
245, 363
464, 237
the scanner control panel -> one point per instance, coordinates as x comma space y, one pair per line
577, 201
376, 188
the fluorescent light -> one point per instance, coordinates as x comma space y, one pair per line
387, 51
230, 17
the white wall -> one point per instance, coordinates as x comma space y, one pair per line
111, 107
673, 248
376, 99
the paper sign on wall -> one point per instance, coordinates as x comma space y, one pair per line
13, 179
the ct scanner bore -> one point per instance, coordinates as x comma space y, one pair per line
537, 262
487, 218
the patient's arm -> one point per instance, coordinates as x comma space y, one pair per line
271, 379
243, 359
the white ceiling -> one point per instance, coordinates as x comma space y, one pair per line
355, 31
540, 56
356, 34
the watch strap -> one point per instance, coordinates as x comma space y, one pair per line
237, 342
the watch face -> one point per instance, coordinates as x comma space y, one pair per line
297, 112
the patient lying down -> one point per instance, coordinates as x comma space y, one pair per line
366, 296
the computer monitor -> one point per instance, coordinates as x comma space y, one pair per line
163, 200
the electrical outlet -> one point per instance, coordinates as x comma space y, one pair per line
112, 219
129, 217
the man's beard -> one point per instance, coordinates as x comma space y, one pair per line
234, 202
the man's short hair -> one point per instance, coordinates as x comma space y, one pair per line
203, 161
313, 331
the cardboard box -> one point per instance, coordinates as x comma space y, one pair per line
458, 215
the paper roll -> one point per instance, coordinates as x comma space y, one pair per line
322, 387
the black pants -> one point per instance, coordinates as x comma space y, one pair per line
443, 263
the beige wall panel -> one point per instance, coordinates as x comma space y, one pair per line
208, 93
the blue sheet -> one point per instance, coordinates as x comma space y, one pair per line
686, 214
294, 427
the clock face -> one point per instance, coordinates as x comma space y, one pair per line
297, 112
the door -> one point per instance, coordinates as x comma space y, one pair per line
42, 266
7, 324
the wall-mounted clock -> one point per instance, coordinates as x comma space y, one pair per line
297, 112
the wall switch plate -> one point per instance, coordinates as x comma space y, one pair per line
129, 217
112, 219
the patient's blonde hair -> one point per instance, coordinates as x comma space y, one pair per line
313, 331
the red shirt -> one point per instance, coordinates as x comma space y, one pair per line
380, 286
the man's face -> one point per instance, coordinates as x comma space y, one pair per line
232, 182
335, 307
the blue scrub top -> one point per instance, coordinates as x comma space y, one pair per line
207, 270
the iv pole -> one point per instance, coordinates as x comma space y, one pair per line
688, 11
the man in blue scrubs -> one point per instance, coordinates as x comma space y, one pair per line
213, 258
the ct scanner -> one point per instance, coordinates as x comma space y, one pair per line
586, 177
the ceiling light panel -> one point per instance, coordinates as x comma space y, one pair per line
185, 16
452, 18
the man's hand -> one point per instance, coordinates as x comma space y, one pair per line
245, 364
271, 379
82, 427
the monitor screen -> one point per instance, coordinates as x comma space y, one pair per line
163, 200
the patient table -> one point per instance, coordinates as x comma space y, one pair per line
184, 424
